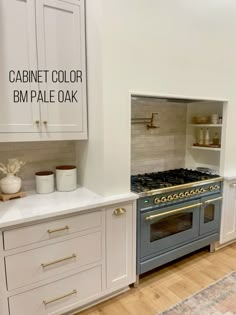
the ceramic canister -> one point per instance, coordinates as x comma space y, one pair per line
44, 182
66, 177
214, 118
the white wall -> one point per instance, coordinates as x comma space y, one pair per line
90, 154
182, 47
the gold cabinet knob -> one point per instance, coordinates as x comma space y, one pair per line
37, 122
119, 211
45, 122
175, 197
163, 199
157, 201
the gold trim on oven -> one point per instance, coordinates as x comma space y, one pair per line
151, 217
179, 187
214, 199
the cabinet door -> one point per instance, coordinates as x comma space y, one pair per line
210, 214
228, 221
17, 53
61, 47
120, 240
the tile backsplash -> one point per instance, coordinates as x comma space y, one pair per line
161, 148
39, 156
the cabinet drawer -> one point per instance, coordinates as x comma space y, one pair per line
60, 296
50, 230
41, 263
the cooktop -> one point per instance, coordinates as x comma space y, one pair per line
158, 180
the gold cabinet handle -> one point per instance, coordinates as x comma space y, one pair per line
59, 229
151, 217
119, 211
215, 199
58, 260
59, 297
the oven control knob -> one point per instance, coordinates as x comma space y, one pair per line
181, 195
217, 187
192, 192
212, 188
157, 201
175, 197
169, 198
163, 199
202, 190
197, 191
186, 194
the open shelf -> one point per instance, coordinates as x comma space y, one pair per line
205, 148
205, 125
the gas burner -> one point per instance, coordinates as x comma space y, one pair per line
158, 180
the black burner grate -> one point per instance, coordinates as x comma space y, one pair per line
152, 181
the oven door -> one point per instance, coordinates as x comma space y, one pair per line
210, 214
168, 227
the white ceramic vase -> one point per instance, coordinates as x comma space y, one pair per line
10, 184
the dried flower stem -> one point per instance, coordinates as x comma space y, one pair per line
12, 167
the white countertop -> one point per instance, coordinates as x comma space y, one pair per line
230, 177
42, 206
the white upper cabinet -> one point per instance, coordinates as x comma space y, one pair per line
43, 35
60, 34
18, 52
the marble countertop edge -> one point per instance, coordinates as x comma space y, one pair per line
35, 207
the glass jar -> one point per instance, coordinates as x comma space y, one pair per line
216, 139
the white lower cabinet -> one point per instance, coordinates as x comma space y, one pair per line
52, 229
44, 262
120, 238
228, 220
90, 256
59, 296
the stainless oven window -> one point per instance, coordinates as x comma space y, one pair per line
209, 213
171, 225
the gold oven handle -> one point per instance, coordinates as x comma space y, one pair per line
59, 229
59, 297
151, 217
215, 199
58, 260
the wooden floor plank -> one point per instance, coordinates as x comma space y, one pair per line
168, 285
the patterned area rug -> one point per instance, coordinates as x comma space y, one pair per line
217, 299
